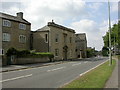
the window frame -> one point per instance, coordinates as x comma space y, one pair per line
22, 38
22, 26
46, 38
7, 23
56, 52
57, 38
6, 37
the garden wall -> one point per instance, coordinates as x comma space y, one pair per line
30, 60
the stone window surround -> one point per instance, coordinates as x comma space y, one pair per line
22, 26
46, 38
22, 38
7, 23
57, 38
56, 52
6, 37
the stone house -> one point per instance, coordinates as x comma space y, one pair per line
81, 45
15, 32
56, 39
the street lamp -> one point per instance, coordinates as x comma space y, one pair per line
110, 52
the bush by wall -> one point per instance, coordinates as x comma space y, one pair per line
28, 54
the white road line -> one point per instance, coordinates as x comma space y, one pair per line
83, 73
93, 68
55, 69
86, 62
16, 78
76, 64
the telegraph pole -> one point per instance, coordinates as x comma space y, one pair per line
110, 52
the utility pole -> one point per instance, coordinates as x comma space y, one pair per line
110, 52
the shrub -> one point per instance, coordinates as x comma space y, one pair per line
11, 51
28, 54
23, 53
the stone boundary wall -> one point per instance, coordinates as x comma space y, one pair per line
30, 60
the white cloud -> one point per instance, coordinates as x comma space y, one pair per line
59, 10
94, 31
95, 6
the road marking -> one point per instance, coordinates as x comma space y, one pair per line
16, 78
55, 69
93, 68
83, 74
86, 62
76, 64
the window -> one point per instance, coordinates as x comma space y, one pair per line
65, 38
1, 52
46, 38
70, 39
56, 52
6, 23
6, 37
71, 53
22, 39
56, 38
22, 26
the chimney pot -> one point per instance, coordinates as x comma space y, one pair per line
20, 15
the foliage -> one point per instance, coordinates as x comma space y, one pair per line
105, 51
28, 54
11, 51
115, 36
93, 79
90, 52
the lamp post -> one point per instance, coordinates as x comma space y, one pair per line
110, 52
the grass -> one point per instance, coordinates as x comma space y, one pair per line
93, 79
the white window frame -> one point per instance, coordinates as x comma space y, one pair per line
22, 38
22, 26
7, 23
6, 37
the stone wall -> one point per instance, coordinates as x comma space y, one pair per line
30, 60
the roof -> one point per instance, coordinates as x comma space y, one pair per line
46, 28
43, 29
13, 18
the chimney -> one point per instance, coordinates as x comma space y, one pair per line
20, 15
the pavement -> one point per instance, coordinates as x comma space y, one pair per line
27, 66
51, 76
113, 81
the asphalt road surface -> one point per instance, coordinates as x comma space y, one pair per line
52, 76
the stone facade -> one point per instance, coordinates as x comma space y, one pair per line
81, 45
15, 32
59, 40
56, 39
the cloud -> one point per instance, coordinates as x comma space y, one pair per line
93, 30
59, 10
95, 6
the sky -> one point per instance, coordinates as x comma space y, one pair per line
84, 16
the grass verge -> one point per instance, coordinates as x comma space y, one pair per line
93, 79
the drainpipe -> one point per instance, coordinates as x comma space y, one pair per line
48, 40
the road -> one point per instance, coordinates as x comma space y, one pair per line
52, 76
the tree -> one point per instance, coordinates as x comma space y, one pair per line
105, 51
115, 37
